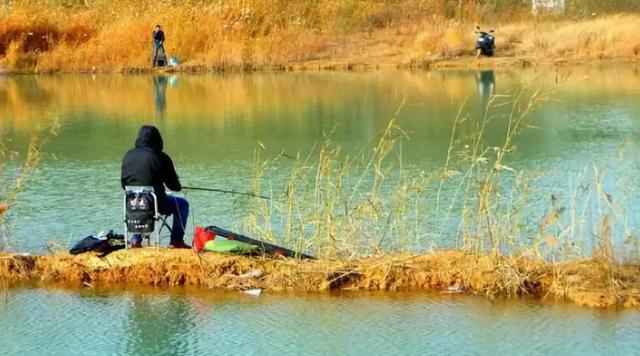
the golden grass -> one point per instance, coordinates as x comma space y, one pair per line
590, 282
606, 37
11, 190
258, 34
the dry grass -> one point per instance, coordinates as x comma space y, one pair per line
256, 34
583, 282
340, 205
607, 37
345, 206
11, 190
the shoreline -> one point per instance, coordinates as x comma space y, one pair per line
592, 282
460, 63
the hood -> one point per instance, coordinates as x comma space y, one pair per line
149, 137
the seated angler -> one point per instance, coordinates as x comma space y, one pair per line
147, 165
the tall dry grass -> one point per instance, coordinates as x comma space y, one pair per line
368, 205
45, 36
344, 205
13, 185
607, 37
10, 191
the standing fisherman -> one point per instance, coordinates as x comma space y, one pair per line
158, 42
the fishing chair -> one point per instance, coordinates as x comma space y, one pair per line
141, 214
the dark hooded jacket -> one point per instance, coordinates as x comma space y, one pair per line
147, 165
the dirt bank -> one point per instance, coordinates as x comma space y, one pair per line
374, 64
591, 283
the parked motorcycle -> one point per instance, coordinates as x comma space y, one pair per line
486, 43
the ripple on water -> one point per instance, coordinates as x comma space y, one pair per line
40, 321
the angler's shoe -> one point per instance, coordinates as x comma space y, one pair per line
136, 241
179, 244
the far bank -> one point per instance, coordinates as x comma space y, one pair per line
261, 37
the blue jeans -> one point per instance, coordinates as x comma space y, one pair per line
179, 208
156, 48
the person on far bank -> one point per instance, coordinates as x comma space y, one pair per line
147, 165
158, 41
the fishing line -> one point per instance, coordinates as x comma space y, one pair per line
224, 191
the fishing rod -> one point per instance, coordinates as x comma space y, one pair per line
227, 192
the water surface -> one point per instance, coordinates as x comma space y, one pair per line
214, 123
95, 322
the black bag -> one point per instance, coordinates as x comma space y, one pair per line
113, 242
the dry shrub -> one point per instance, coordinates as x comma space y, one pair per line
76, 34
606, 37
445, 38
32, 36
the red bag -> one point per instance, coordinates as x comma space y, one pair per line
201, 236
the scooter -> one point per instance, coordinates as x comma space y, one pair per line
486, 43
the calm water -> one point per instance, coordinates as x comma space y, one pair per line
91, 322
212, 124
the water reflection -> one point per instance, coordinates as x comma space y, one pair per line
159, 324
160, 95
486, 82
212, 124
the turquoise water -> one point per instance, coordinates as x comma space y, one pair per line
588, 132
212, 126
94, 322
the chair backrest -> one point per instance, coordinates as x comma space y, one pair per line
140, 209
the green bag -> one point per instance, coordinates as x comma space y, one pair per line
229, 246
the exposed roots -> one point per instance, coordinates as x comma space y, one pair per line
592, 283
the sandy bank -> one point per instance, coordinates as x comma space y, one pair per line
591, 283
364, 65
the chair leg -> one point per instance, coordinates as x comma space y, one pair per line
167, 225
164, 223
163, 219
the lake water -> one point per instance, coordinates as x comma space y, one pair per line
94, 322
212, 124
